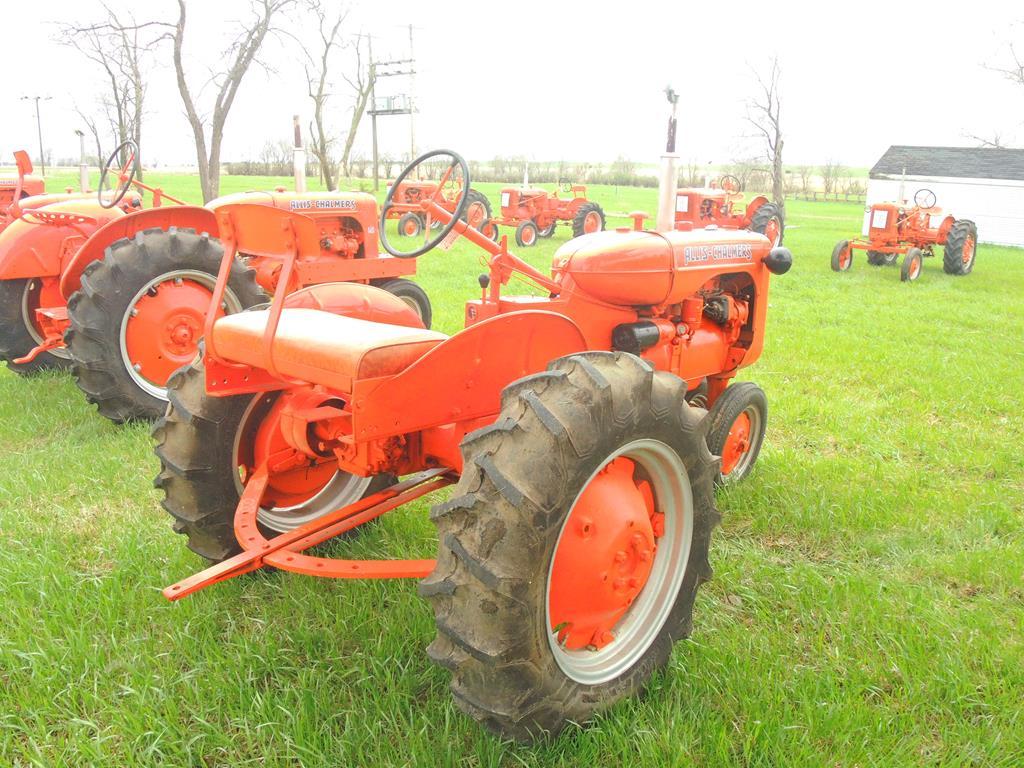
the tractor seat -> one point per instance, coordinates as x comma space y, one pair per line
321, 347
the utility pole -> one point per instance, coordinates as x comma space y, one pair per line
392, 105
669, 176
39, 127
83, 167
298, 158
412, 98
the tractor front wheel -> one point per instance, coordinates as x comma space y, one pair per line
19, 332
589, 218
738, 421
842, 256
961, 246
911, 267
572, 548
209, 446
410, 225
526, 234
881, 259
411, 294
139, 315
478, 209
768, 221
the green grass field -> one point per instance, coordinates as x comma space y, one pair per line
867, 607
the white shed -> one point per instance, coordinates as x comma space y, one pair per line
983, 184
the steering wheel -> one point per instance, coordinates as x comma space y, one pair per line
924, 198
457, 185
125, 176
730, 184
566, 186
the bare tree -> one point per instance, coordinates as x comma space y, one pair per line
317, 68
763, 110
830, 176
995, 140
361, 82
806, 174
241, 55
120, 45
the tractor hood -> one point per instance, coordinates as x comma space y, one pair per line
309, 203
638, 269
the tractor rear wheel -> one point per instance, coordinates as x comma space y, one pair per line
411, 294
911, 267
410, 225
842, 256
478, 209
572, 548
207, 446
139, 315
589, 218
768, 221
547, 231
738, 421
960, 249
18, 332
881, 259
526, 234
490, 230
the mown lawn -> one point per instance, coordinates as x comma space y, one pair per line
867, 606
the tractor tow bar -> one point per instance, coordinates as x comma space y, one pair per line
284, 551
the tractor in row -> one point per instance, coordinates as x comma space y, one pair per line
535, 213
118, 292
573, 424
716, 206
898, 228
18, 187
412, 222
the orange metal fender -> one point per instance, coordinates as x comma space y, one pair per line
461, 379
752, 206
944, 227
364, 302
180, 216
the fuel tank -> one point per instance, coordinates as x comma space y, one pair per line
641, 269
360, 205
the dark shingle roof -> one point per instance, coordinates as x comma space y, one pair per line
960, 162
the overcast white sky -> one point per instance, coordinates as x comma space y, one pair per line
572, 80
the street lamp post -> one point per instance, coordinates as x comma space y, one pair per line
39, 128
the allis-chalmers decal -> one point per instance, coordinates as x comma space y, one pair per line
699, 254
302, 205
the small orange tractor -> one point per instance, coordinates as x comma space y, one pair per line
536, 212
703, 206
412, 222
118, 293
895, 228
18, 187
573, 425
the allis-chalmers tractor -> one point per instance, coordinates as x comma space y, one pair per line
119, 293
412, 221
572, 547
703, 206
895, 228
536, 212
18, 187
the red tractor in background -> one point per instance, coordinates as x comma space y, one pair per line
412, 222
895, 228
119, 294
703, 206
536, 212
572, 424
18, 187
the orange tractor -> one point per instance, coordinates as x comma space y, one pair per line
572, 547
18, 187
412, 222
536, 212
119, 294
715, 206
895, 228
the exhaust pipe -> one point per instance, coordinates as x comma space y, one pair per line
668, 182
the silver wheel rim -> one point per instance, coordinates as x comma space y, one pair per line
747, 458
30, 326
343, 489
410, 302
231, 305
643, 622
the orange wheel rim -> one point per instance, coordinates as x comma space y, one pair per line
293, 486
592, 222
737, 443
915, 268
771, 231
162, 328
845, 258
968, 251
475, 215
410, 228
604, 556
528, 235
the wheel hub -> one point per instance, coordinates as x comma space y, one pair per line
737, 443
604, 556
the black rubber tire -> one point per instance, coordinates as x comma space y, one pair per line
837, 252
547, 231
880, 259
526, 234
410, 218
727, 408
762, 218
98, 308
581, 216
475, 196
410, 292
195, 445
908, 273
952, 252
15, 339
491, 231
498, 531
